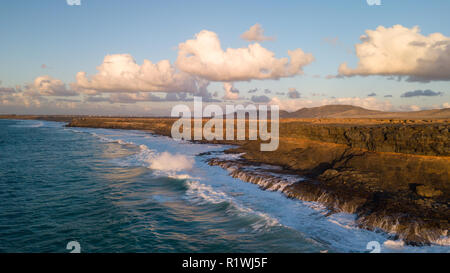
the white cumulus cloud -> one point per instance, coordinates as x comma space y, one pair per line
120, 72
402, 51
49, 86
203, 56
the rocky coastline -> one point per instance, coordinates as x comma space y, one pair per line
394, 175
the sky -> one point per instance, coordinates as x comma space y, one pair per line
143, 57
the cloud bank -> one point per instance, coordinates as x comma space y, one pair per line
260, 99
36, 93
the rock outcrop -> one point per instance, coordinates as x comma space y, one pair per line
420, 139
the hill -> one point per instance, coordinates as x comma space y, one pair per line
350, 111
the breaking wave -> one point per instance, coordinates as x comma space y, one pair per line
166, 161
204, 194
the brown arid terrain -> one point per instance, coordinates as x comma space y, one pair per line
390, 169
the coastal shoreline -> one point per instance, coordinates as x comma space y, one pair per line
403, 194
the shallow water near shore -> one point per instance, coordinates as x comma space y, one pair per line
130, 191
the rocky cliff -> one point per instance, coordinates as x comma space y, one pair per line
421, 139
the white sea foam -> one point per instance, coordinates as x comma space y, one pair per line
122, 142
37, 125
180, 176
345, 220
229, 156
203, 194
166, 161
394, 244
443, 241
100, 137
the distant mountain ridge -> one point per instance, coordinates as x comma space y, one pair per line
350, 111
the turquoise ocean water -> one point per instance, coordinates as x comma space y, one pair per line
130, 191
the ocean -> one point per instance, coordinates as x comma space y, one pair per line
131, 191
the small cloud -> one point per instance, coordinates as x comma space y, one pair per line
231, 93
66, 100
333, 41
254, 90
293, 93
256, 34
374, 2
267, 91
388, 96
176, 97
44, 66
421, 93
260, 99
372, 95
97, 99
7, 90
73, 2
